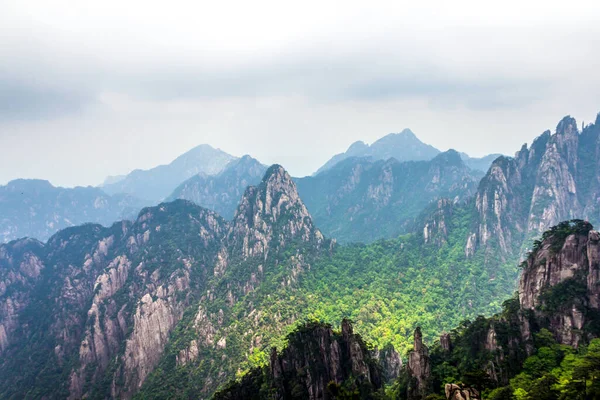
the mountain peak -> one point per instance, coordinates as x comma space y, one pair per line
403, 146
408, 133
449, 157
157, 183
357, 147
405, 136
244, 164
272, 211
29, 184
567, 126
222, 192
277, 175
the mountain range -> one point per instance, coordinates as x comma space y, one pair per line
155, 184
216, 180
180, 301
34, 208
361, 200
403, 146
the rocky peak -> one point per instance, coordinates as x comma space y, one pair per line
221, 192
419, 367
567, 126
521, 197
314, 365
356, 148
157, 183
403, 146
271, 211
563, 265
450, 157
390, 362
245, 162
446, 342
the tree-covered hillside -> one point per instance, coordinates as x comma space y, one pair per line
387, 288
543, 345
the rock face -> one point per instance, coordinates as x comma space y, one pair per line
435, 229
314, 365
558, 295
108, 302
460, 392
390, 362
270, 220
446, 342
222, 192
566, 263
363, 200
325, 358
36, 209
555, 179
419, 368
20, 268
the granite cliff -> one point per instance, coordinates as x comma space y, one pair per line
553, 180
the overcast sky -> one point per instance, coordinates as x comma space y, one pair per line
96, 88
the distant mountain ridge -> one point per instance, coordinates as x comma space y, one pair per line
223, 191
403, 146
35, 208
361, 199
479, 164
155, 184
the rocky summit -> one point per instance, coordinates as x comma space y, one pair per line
554, 179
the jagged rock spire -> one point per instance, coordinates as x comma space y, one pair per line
419, 367
271, 211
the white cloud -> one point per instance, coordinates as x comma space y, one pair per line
287, 82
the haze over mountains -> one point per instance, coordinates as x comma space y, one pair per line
36, 209
403, 146
221, 192
361, 199
156, 184
216, 180
178, 301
